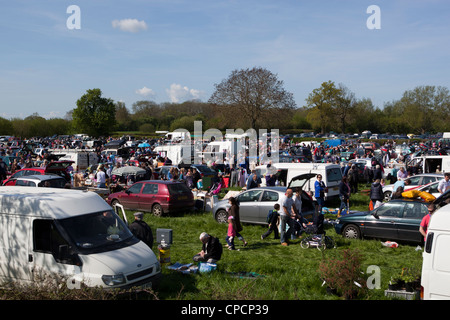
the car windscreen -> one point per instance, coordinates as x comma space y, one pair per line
205, 169
96, 232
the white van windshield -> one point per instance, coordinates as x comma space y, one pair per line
96, 230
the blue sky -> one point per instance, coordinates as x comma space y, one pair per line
176, 50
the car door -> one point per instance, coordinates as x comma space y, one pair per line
382, 222
268, 200
130, 198
148, 196
249, 205
408, 226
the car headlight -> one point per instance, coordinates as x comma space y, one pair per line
337, 221
114, 280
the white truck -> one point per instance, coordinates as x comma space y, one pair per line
75, 234
287, 172
82, 158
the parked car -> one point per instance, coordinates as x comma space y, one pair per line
204, 170
255, 204
396, 220
416, 181
156, 196
45, 180
56, 167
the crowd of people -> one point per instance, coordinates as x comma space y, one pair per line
286, 221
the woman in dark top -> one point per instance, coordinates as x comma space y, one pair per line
234, 211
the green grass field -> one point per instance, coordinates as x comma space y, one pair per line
284, 273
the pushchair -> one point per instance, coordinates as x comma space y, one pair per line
315, 240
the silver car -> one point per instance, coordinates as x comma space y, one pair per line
416, 181
255, 204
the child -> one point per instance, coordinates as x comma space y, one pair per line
231, 234
273, 223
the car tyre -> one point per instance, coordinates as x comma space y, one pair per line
351, 231
221, 216
157, 210
387, 195
114, 202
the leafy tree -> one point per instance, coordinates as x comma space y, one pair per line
6, 127
321, 103
252, 94
94, 114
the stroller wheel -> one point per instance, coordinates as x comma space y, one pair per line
304, 243
321, 246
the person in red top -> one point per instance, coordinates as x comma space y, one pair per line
426, 221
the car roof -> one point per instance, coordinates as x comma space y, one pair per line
278, 189
419, 200
160, 181
40, 177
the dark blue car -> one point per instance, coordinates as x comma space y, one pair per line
396, 220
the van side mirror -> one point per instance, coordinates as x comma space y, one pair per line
64, 256
63, 252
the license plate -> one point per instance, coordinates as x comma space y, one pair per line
182, 198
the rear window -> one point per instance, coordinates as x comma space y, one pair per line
53, 183
334, 174
178, 188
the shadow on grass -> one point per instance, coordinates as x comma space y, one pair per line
176, 284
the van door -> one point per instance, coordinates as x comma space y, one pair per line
48, 256
15, 248
436, 266
333, 177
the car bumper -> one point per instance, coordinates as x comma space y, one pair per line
178, 206
338, 228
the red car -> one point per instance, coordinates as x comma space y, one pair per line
156, 196
56, 167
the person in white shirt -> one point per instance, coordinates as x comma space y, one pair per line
101, 177
444, 184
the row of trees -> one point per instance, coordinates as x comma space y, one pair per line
249, 98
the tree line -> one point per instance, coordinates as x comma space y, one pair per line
249, 98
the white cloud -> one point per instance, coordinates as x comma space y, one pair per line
145, 91
130, 25
176, 92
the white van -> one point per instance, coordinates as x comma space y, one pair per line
435, 278
72, 233
331, 175
432, 164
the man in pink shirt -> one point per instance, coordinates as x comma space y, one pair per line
426, 221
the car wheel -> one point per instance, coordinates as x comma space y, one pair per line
387, 195
157, 210
221, 216
114, 202
351, 232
